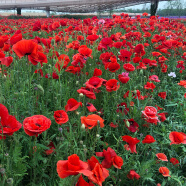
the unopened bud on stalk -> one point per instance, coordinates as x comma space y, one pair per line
97, 135
83, 126
10, 181
141, 71
77, 82
2, 170
81, 142
76, 112
81, 95
99, 113
45, 161
85, 150
127, 123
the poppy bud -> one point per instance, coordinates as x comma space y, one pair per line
81, 142
85, 150
77, 82
97, 135
83, 126
45, 161
10, 181
81, 95
127, 123
76, 112
141, 71
2, 170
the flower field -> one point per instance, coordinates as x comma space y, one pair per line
92, 102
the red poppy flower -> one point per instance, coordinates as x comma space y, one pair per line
36, 124
105, 43
182, 83
60, 116
111, 158
117, 162
174, 161
73, 70
128, 67
162, 116
91, 107
112, 67
148, 139
136, 59
122, 108
87, 92
133, 175
164, 171
41, 58
131, 125
108, 57
118, 44
55, 76
94, 82
72, 105
85, 51
82, 182
97, 72
8, 123
51, 150
6, 61
72, 166
63, 62
162, 95
112, 85
158, 108
123, 79
99, 173
162, 157
2, 55
150, 86
6, 47
150, 114
25, 47
36, 26
131, 142
92, 120
46, 42
125, 55
177, 138
92, 37
139, 48
15, 38
113, 125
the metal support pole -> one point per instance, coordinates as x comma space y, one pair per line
18, 11
47, 11
154, 7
